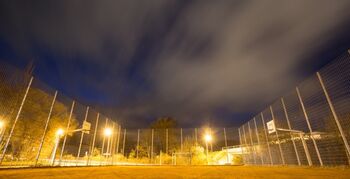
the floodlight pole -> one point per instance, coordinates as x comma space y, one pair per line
16, 119
45, 129
67, 128
103, 142
206, 144
227, 157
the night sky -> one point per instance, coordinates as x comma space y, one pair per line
202, 62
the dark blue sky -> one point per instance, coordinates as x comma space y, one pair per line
201, 62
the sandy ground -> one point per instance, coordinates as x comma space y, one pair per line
176, 172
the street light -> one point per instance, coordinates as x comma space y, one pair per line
208, 138
59, 134
107, 132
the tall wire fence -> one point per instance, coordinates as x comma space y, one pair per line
41, 127
308, 126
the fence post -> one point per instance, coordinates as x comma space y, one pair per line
335, 116
195, 134
138, 143
45, 129
167, 140
241, 144
118, 139
309, 126
66, 132
246, 143
181, 138
16, 119
290, 133
111, 143
103, 141
278, 140
152, 133
252, 144
225, 137
257, 136
267, 139
124, 139
94, 138
115, 136
82, 135
211, 142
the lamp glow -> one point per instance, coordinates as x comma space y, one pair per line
107, 132
59, 132
208, 138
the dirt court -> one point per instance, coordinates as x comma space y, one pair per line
177, 172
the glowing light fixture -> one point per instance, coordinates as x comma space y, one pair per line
208, 138
107, 132
59, 132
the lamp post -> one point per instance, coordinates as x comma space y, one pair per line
108, 133
59, 134
208, 138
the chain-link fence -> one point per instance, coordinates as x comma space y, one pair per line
308, 126
41, 127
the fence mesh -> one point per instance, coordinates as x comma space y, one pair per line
308, 126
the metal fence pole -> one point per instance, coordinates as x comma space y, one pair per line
211, 141
290, 128
196, 135
335, 116
152, 133
245, 142
225, 137
115, 136
257, 136
241, 145
45, 129
251, 143
167, 140
278, 140
66, 132
103, 141
94, 138
124, 138
181, 139
16, 119
138, 143
267, 139
82, 135
309, 126
118, 139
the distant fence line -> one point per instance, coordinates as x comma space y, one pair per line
309, 126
